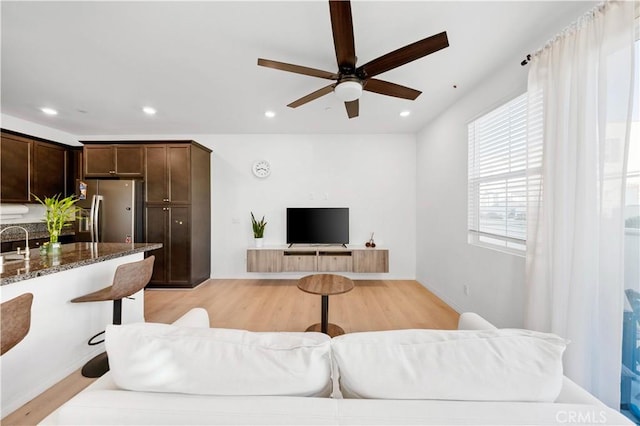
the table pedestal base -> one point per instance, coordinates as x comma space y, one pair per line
332, 329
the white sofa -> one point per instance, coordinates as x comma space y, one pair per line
449, 393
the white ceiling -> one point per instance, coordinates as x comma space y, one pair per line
98, 63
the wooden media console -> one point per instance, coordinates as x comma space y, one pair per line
317, 259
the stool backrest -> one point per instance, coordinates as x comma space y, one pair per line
15, 316
131, 278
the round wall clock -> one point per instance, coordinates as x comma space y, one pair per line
261, 168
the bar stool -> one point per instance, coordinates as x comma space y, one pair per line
15, 315
128, 280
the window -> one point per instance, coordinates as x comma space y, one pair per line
632, 209
499, 161
630, 395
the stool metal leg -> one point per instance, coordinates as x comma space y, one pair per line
117, 311
99, 365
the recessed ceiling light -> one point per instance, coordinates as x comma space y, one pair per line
269, 114
405, 113
149, 111
49, 111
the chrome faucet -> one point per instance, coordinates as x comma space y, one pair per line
26, 242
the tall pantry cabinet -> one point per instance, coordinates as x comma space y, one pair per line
178, 212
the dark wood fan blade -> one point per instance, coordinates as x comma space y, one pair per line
342, 26
311, 96
298, 69
403, 55
353, 108
390, 89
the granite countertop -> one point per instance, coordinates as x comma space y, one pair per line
36, 230
71, 256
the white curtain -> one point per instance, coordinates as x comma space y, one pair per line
582, 83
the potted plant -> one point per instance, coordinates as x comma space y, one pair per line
59, 213
258, 229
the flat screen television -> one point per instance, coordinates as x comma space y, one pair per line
317, 225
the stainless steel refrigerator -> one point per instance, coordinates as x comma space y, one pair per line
111, 211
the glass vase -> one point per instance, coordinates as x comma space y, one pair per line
54, 248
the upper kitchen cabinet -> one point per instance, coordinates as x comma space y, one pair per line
168, 173
30, 166
15, 170
49, 169
112, 160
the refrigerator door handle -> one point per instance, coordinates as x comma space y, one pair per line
95, 208
91, 217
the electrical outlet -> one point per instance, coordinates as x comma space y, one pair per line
465, 288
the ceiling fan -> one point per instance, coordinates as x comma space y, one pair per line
350, 80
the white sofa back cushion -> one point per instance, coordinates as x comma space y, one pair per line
485, 365
208, 361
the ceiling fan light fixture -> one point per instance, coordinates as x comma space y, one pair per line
348, 90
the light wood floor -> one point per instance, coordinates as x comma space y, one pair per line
272, 305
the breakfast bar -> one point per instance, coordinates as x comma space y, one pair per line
56, 344
71, 256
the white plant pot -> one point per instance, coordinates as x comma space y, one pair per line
259, 242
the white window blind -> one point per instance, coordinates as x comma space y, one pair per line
499, 157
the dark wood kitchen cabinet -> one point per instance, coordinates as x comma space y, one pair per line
49, 169
167, 172
177, 194
170, 226
31, 166
178, 212
113, 160
15, 169
75, 168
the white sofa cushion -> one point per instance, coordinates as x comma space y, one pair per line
103, 407
208, 361
485, 365
473, 321
196, 317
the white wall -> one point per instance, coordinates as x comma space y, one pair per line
445, 261
9, 122
373, 175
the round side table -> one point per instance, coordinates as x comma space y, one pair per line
325, 285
